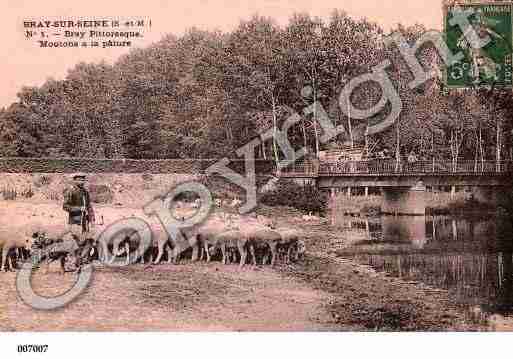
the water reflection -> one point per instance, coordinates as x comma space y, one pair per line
472, 258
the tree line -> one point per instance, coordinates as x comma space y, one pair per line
207, 93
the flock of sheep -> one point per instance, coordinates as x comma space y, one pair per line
232, 238
235, 238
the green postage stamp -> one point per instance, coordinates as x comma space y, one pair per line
487, 60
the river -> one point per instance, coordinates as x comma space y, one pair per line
472, 258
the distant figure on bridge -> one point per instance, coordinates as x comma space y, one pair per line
382, 154
412, 158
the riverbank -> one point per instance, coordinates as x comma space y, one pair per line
437, 203
364, 299
320, 293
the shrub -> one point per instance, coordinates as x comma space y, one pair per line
101, 193
147, 177
460, 207
27, 193
42, 181
9, 194
505, 203
288, 193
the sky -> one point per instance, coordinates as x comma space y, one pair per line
24, 63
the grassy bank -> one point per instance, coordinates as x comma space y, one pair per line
460, 204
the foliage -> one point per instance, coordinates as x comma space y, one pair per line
101, 193
147, 177
27, 193
288, 193
9, 194
42, 181
206, 93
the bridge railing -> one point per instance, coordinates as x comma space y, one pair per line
391, 166
299, 168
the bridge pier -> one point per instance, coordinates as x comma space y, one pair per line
486, 195
405, 228
401, 200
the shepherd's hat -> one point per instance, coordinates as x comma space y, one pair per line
78, 175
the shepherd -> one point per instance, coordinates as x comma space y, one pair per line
77, 202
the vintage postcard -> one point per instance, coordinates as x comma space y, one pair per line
262, 166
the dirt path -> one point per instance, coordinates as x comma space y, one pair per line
187, 297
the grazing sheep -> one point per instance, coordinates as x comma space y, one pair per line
289, 242
301, 250
310, 218
263, 238
197, 203
130, 242
163, 242
235, 203
188, 239
265, 221
124, 244
198, 238
23, 254
229, 242
206, 232
127, 244
8, 259
257, 237
10, 243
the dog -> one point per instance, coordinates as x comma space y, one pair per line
49, 250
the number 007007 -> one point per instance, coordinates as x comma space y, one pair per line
31, 348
